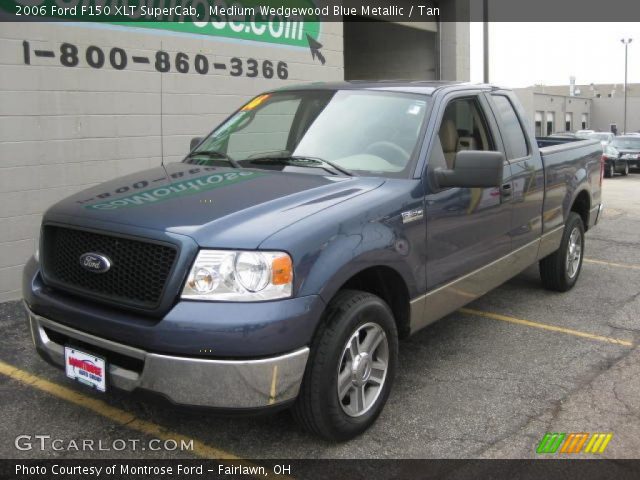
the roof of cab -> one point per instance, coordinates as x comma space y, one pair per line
407, 86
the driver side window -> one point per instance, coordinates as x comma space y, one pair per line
463, 127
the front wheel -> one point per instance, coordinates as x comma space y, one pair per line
351, 367
625, 172
560, 270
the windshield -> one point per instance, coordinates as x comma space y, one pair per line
337, 132
626, 143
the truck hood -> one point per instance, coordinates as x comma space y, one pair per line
217, 207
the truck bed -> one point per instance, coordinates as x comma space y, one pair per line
567, 162
553, 141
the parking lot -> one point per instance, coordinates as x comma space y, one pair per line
488, 381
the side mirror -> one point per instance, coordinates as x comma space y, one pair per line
473, 169
194, 143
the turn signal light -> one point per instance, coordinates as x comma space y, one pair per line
281, 270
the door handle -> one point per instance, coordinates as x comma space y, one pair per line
506, 190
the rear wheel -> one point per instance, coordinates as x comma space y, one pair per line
609, 170
351, 367
560, 270
625, 172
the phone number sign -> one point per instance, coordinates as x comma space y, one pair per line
70, 55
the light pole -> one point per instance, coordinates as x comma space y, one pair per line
626, 42
485, 40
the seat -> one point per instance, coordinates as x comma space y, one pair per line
449, 141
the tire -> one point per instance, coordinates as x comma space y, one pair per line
609, 170
555, 270
625, 172
319, 408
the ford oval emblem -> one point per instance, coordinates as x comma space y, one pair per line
95, 262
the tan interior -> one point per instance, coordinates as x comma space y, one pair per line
449, 140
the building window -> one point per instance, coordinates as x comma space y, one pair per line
584, 121
568, 122
550, 122
538, 123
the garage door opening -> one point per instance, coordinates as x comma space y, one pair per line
377, 50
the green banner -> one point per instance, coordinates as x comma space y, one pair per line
286, 22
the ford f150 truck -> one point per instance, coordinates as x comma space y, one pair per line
279, 263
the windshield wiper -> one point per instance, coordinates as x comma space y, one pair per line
215, 154
304, 161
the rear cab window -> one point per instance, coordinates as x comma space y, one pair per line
513, 135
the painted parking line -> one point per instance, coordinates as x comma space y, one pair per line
124, 418
114, 414
121, 417
545, 326
611, 264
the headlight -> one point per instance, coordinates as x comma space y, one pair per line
36, 255
242, 276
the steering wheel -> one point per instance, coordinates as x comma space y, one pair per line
393, 152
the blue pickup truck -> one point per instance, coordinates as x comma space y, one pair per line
281, 261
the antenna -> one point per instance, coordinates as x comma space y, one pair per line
161, 117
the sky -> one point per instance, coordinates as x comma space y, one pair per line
524, 54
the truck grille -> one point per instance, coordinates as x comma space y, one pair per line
137, 277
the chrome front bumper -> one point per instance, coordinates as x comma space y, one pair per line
232, 384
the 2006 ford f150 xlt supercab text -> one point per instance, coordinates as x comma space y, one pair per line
279, 263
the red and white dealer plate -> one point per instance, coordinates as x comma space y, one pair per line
86, 368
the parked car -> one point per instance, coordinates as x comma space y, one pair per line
282, 260
622, 154
584, 133
605, 138
563, 135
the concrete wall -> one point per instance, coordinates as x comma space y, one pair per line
384, 50
611, 110
455, 51
602, 112
454, 39
65, 128
558, 105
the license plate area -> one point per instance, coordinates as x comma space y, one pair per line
86, 368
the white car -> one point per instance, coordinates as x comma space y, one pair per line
584, 133
605, 137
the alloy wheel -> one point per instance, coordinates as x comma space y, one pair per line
362, 370
574, 253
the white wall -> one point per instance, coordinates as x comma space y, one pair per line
611, 110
